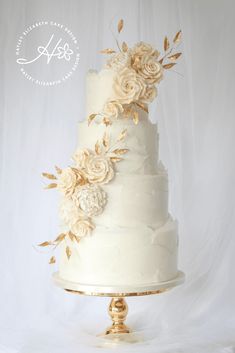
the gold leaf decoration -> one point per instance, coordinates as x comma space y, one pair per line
177, 37
74, 169
135, 117
174, 56
45, 243
60, 238
122, 135
106, 140
142, 106
116, 159
166, 44
58, 170
161, 61
49, 176
120, 25
91, 117
51, 186
77, 238
126, 113
168, 66
97, 148
68, 252
108, 51
107, 121
71, 236
52, 260
120, 151
124, 47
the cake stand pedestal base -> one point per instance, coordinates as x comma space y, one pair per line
118, 308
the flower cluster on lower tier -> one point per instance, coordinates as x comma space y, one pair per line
81, 187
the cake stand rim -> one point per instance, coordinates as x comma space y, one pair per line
118, 291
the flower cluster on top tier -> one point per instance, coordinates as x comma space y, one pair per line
138, 71
80, 185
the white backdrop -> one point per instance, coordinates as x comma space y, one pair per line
195, 112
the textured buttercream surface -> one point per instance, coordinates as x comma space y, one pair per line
122, 255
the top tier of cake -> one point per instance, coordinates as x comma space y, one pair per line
99, 88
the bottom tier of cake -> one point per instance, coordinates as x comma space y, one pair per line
122, 256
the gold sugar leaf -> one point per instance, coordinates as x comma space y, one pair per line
91, 117
97, 148
168, 66
122, 135
107, 121
136, 62
106, 140
60, 238
91, 226
45, 243
161, 61
51, 186
120, 25
49, 176
77, 238
177, 38
166, 44
74, 169
108, 51
127, 111
174, 56
52, 260
124, 47
68, 252
142, 106
71, 236
135, 117
58, 170
121, 151
116, 159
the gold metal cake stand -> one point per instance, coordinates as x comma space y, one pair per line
118, 308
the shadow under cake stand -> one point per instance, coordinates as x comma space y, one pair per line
118, 308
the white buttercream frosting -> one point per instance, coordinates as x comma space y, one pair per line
136, 200
120, 255
99, 89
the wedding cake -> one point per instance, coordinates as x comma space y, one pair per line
116, 228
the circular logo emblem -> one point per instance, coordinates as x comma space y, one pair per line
47, 53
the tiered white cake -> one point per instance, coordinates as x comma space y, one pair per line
135, 240
116, 229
